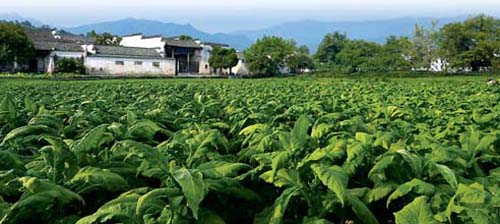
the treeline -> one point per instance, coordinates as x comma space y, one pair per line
469, 46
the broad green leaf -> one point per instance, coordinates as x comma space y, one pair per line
119, 210
154, 201
448, 175
7, 110
284, 178
417, 212
12, 161
334, 177
299, 131
274, 214
231, 187
361, 210
24, 131
218, 169
93, 140
377, 173
41, 200
209, 217
279, 161
419, 186
89, 179
193, 188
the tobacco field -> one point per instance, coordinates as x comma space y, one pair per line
250, 151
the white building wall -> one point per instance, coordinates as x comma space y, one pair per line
108, 66
205, 56
240, 69
138, 41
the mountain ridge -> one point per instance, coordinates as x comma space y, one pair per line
304, 32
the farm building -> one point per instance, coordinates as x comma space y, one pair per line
133, 61
187, 53
206, 52
51, 45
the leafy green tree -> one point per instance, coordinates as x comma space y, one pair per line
331, 45
15, 46
185, 37
396, 54
303, 50
105, 38
473, 44
268, 54
359, 56
300, 61
426, 49
224, 58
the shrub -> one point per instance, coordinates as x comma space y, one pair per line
70, 65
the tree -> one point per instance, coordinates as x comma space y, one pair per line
425, 49
299, 61
331, 45
303, 50
105, 38
359, 56
185, 37
15, 46
223, 58
267, 55
396, 54
473, 44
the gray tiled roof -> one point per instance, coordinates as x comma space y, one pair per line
48, 46
43, 39
129, 52
175, 42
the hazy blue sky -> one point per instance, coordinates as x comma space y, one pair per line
230, 15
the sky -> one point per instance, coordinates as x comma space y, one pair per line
232, 15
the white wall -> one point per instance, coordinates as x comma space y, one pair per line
108, 66
240, 69
205, 56
138, 41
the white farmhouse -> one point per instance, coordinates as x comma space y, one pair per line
187, 53
127, 61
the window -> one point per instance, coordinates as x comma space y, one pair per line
119, 63
206, 66
138, 63
156, 64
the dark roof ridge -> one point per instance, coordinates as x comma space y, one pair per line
133, 34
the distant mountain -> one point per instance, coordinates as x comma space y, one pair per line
17, 17
307, 32
150, 27
311, 32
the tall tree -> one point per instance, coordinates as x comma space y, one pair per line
359, 56
105, 38
331, 45
426, 48
15, 46
396, 53
473, 44
224, 58
267, 55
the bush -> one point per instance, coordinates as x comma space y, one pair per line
70, 65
